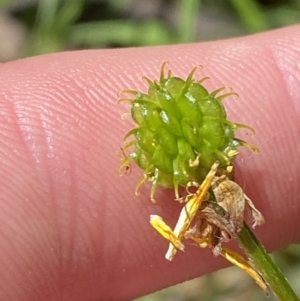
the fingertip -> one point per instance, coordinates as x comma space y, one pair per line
75, 96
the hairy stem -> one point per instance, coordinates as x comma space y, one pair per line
265, 265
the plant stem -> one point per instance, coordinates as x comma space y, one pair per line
265, 265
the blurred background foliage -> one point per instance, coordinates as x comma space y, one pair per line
31, 27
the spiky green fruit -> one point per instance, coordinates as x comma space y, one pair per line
182, 129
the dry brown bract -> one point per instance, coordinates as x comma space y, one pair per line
213, 215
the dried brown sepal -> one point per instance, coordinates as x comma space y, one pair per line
205, 234
217, 216
230, 196
258, 218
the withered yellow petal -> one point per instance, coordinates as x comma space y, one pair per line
189, 211
159, 225
242, 263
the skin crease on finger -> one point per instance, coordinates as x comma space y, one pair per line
70, 227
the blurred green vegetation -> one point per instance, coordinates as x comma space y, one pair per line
232, 283
32, 27
57, 25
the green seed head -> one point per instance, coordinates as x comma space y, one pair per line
181, 131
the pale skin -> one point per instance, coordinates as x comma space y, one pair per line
70, 227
